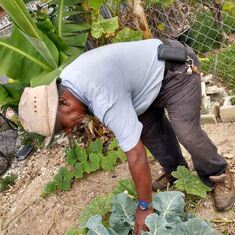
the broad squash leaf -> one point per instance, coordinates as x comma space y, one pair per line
190, 183
100, 205
95, 159
71, 156
104, 26
127, 35
125, 185
78, 171
81, 153
95, 147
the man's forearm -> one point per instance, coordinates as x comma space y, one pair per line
140, 172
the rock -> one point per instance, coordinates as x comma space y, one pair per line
203, 86
206, 104
227, 113
215, 110
208, 78
228, 155
208, 119
227, 100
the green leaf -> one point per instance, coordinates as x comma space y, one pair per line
63, 179
190, 183
170, 205
73, 231
49, 189
95, 226
157, 225
112, 156
22, 19
78, 171
95, 159
104, 26
95, 147
122, 218
100, 205
87, 166
113, 145
16, 52
71, 156
107, 164
125, 185
45, 78
80, 153
195, 226
122, 156
95, 4
127, 35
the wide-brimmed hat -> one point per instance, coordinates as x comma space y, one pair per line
38, 110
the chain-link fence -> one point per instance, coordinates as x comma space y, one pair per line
208, 26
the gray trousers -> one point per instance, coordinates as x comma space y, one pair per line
181, 96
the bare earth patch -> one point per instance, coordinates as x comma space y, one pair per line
23, 211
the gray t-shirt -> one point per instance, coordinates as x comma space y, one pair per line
118, 82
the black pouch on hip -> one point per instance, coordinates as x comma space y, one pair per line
172, 54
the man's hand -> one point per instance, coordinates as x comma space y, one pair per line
140, 217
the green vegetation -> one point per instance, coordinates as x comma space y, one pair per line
6, 182
203, 35
83, 161
233, 100
169, 217
223, 63
189, 182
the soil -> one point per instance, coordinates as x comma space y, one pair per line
23, 211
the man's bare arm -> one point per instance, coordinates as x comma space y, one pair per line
141, 175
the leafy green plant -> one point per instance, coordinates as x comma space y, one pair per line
6, 182
102, 204
189, 183
36, 43
85, 161
232, 100
169, 217
223, 63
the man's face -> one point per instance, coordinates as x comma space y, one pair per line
70, 112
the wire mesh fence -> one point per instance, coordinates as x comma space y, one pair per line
208, 26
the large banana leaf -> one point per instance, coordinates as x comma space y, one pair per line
19, 59
20, 16
10, 93
74, 34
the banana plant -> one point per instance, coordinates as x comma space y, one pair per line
32, 54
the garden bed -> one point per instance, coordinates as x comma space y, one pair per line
24, 211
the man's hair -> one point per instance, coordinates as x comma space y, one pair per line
61, 89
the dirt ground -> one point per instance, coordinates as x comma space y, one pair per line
24, 212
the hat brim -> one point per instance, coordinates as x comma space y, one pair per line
53, 102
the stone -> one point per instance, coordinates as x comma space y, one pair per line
227, 100
208, 119
206, 104
227, 113
208, 78
215, 109
203, 86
